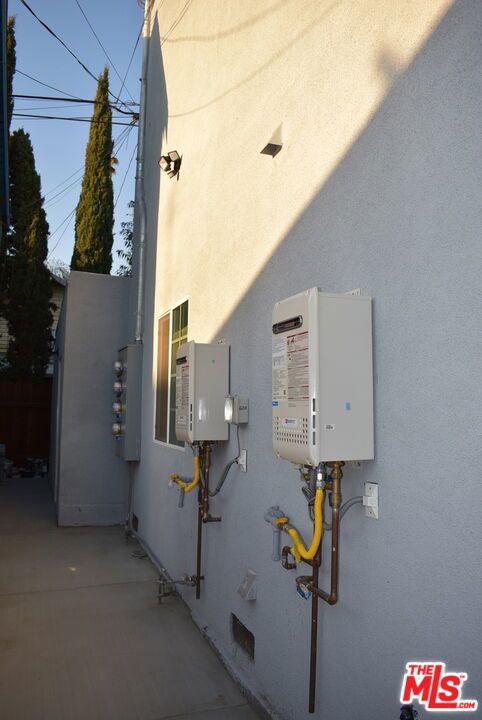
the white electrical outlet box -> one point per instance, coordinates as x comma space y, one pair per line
202, 383
322, 398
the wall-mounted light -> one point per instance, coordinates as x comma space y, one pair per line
171, 163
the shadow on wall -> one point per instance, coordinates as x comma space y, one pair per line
157, 107
309, 28
400, 217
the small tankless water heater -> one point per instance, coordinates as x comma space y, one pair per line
322, 378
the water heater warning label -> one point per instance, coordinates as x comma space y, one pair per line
290, 367
280, 374
182, 395
297, 366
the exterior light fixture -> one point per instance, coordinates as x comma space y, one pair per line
171, 163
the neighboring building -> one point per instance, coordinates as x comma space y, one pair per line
58, 285
377, 108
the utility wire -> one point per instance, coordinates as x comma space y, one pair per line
118, 143
125, 177
47, 107
81, 101
103, 49
131, 58
72, 119
40, 82
64, 181
49, 30
68, 220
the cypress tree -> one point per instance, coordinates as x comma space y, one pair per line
11, 63
28, 308
94, 216
4, 240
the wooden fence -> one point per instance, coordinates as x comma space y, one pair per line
25, 419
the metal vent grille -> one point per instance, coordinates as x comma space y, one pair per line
287, 435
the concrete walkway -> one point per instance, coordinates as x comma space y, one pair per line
82, 636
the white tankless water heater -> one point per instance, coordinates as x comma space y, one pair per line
322, 377
202, 384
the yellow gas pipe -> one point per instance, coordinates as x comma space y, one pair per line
299, 550
188, 486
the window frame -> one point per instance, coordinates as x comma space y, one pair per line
168, 311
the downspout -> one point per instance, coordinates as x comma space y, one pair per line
140, 188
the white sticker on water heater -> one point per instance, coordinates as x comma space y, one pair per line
280, 375
298, 366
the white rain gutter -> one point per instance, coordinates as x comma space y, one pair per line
140, 189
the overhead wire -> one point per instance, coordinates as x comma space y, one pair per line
54, 34
118, 144
67, 219
40, 82
103, 48
81, 101
47, 107
71, 119
131, 59
49, 30
125, 177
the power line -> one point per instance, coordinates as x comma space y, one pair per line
103, 48
125, 177
68, 220
48, 107
62, 223
51, 32
131, 58
64, 181
70, 119
40, 82
82, 101
59, 196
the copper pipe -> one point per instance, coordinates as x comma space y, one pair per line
332, 597
206, 455
206, 465
199, 541
314, 631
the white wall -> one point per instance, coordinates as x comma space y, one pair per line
377, 187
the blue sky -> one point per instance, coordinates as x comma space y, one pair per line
59, 146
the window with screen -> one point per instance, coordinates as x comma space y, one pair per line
171, 333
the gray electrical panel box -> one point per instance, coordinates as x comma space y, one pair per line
127, 402
202, 384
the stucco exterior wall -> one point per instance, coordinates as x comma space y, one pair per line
377, 187
90, 482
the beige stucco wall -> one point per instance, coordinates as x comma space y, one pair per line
235, 72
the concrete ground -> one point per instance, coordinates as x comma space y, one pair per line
82, 636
